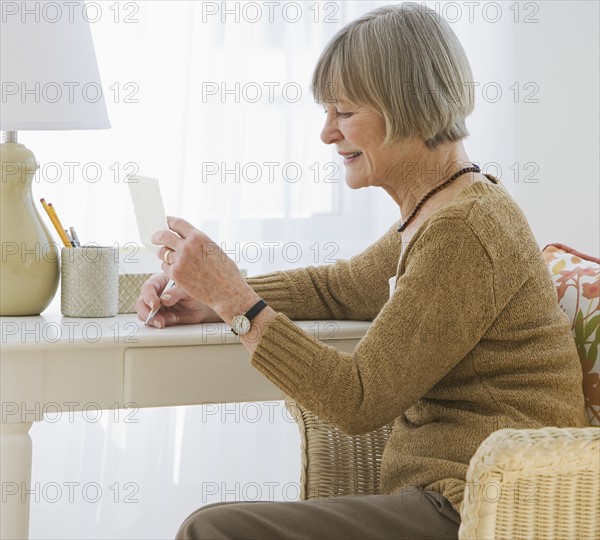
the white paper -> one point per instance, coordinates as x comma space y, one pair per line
149, 209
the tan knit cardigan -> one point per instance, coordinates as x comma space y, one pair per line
471, 341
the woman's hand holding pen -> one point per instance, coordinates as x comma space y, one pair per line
204, 272
177, 306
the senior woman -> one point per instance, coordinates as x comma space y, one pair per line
471, 339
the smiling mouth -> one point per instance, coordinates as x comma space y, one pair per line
351, 157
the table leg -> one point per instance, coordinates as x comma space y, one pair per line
15, 474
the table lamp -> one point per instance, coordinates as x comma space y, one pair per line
49, 81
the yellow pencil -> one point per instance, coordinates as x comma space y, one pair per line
56, 222
60, 228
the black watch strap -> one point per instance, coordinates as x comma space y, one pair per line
255, 309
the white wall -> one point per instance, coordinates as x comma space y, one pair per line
560, 134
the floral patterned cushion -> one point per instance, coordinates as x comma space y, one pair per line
577, 280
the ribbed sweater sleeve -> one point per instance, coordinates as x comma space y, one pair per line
442, 305
354, 289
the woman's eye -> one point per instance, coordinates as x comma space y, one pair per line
340, 114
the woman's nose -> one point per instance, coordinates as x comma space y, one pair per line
330, 133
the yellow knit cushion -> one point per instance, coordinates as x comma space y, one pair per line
577, 280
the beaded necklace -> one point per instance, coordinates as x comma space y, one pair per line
473, 168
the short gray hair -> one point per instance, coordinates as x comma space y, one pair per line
406, 62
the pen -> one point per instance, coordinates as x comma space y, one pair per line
75, 237
151, 315
56, 222
69, 238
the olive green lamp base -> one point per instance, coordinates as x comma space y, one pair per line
29, 264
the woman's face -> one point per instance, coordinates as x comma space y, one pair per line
358, 133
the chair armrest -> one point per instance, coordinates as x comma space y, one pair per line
534, 483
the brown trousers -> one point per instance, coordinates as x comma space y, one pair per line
411, 513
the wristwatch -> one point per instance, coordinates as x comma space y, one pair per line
241, 323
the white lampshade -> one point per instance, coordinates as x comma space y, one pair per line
49, 75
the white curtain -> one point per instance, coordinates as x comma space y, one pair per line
188, 94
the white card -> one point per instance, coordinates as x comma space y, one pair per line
149, 209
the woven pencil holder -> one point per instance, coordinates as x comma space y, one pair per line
90, 281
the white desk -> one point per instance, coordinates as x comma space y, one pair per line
53, 364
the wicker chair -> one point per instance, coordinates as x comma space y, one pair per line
530, 483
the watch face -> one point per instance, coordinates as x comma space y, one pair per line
240, 324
